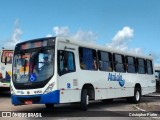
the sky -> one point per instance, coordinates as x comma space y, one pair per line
128, 25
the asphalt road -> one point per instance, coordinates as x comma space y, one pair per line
97, 109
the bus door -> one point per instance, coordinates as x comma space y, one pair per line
67, 79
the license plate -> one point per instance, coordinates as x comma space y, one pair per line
28, 102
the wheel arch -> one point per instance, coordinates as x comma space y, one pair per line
138, 85
90, 90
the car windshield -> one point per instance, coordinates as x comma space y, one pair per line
34, 65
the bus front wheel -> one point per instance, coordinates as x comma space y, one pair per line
84, 100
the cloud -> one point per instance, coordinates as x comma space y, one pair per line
121, 39
123, 35
61, 31
87, 36
156, 57
49, 35
137, 50
15, 37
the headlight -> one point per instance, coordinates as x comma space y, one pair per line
12, 91
49, 88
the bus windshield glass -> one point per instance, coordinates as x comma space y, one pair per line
7, 54
32, 66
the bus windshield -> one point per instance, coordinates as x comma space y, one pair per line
7, 54
33, 65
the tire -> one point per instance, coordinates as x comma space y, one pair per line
84, 100
136, 98
137, 95
49, 106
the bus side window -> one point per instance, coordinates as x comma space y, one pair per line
141, 66
105, 61
131, 67
119, 63
149, 67
66, 62
88, 58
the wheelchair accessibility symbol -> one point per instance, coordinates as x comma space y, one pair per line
32, 77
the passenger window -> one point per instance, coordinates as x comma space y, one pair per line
130, 66
141, 66
66, 62
119, 63
105, 61
149, 67
88, 59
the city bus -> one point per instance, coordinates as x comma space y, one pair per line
59, 70
5, 69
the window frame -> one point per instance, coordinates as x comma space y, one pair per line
110, 60
3, 56
133, 64
144, 61
95, 55
60, 73
122, 63
149, 67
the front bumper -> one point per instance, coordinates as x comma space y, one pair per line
52, 98
4, 85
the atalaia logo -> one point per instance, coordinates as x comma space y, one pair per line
118, 78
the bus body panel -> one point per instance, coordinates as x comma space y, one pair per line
104, 89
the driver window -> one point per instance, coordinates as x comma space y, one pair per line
66, 62
43, 59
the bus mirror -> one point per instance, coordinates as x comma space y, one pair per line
5, 60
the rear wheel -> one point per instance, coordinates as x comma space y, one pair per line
49, 106
84, 100
137, 96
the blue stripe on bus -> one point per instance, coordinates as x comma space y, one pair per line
52, 97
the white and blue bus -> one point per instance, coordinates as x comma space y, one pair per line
5, 69
61, 70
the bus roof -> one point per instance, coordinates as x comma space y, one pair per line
103, 48
91, 45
